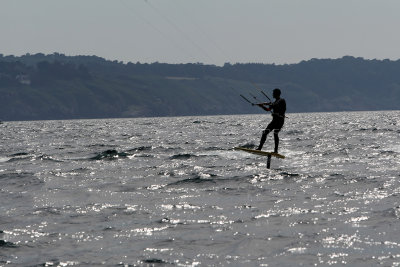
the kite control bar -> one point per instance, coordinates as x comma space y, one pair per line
260, 103
247, 100
255, 104
266, 96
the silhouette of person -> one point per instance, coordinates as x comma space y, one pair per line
278, 108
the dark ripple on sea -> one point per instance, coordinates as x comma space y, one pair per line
172, 191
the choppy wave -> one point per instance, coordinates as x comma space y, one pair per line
196, 179
4, 159
47, 158
110, 154
183, 156
6, 244
140, 148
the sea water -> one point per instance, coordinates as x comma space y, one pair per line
173, 192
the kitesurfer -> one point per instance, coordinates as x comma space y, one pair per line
278, 109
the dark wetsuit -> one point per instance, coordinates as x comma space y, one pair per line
278, 115
278, 119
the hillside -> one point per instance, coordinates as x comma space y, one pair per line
34, 87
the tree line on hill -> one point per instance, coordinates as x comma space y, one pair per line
56, 86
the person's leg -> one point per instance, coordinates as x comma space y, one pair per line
276, 139
277, 129
263, 138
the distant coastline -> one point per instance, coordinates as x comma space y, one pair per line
41, 87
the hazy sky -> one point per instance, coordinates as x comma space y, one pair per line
206, 31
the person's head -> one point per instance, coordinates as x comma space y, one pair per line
276, 93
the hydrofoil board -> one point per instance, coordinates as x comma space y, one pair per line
259, 152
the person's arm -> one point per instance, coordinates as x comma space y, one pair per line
265, 106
